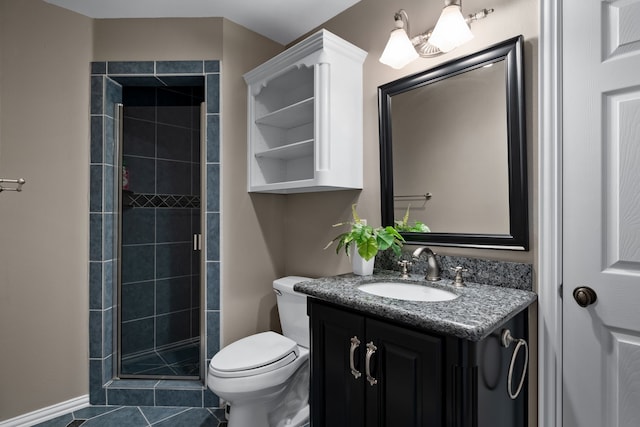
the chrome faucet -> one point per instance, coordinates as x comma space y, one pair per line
432, 272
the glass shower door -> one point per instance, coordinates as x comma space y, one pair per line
159, 269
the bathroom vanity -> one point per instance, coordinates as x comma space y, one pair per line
378, 361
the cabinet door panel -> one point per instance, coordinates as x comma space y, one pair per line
337, 397
408, 366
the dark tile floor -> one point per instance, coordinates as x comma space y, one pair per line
139, 416
180, 361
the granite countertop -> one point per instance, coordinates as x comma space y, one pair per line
477, 312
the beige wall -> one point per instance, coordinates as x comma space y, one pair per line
157, 39
44, 134
252, 233
44, 229
367, 25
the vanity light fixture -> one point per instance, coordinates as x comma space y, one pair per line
451, 31
399, 50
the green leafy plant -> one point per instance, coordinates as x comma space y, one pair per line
368, 240
404, 226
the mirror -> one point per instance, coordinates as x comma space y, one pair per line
453, 151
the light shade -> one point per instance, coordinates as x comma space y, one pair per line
451, 30
399, 50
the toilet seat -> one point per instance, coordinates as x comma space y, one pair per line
253, 355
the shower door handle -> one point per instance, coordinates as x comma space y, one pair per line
197, 242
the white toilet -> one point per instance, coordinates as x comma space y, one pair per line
265, 377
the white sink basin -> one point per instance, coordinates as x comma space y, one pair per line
407, 291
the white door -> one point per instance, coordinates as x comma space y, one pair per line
601, 212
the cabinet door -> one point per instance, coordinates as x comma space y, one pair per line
337, 396
407, 366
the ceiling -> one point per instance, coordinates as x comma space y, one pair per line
280, 20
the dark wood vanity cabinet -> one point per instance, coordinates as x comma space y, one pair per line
401, 385
367, 371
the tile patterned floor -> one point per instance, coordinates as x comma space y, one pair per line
139, 416
181, 361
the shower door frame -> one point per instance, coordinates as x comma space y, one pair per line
119, 155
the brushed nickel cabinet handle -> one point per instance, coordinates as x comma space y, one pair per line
355, 343
371, 349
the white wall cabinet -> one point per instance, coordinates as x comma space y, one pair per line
305, 118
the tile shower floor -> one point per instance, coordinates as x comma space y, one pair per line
139, 416
182, 361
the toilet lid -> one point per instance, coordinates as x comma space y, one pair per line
257, 353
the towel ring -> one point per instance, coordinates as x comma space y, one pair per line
506, 340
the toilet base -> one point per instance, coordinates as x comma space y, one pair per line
283, 407
248, 415
257, 415
298, 420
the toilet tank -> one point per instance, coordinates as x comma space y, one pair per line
292, 307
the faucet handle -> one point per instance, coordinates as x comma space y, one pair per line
459, 280
404, 265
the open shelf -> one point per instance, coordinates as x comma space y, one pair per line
305, 118
290, 116
290, 151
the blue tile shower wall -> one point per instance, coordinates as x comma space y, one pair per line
104, 94
161, 272
107, 79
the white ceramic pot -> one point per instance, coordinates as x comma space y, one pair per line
360, 266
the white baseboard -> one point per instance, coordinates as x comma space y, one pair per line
48, 413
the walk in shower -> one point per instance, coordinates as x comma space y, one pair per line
108, 385
159, 277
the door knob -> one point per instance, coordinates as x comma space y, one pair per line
584, 296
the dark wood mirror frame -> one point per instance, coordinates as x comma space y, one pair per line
511, 51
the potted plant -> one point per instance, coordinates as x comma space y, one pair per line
403, 225
365, 241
